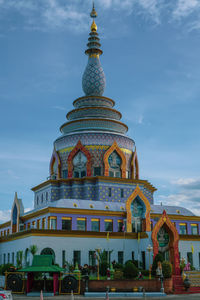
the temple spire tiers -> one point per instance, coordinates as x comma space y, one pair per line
93, 81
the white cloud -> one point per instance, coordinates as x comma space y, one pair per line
188, 183
4, 215
185, 7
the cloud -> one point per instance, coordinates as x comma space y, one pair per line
4, 215
188, 195
59, 107
185, 7
188, 183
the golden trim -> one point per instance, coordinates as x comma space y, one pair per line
94, 147
72, 233
114, 147
138, 192
66, 218
177, 217
73, 211
103, 179
189, 237
6, 224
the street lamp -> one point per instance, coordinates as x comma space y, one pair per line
149, 249
98, 250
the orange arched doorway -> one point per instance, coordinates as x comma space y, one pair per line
164, 224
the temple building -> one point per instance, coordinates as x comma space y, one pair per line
94, 188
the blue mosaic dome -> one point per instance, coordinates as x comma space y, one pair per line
93, 81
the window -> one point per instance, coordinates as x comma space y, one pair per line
63, 257
92, 258
108, 259
190, 258
47, 196
4, 258
121, 257
33, 224
95, 225
13, 258
43, 223
183, 228
8, 231
114, 161
133, 255
199, 260
28, 225
81, 224
194, 228
109, 192
8, 258
120, 225
79, 163
143, 260
64, 173
97, 171
66, 223
52, 223
42, 198
108, 225
38, 224
37, 200
77, 258
122, 193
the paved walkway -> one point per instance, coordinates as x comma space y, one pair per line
80, 297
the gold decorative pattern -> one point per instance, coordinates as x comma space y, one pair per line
138, 192
116, 148
94, 147
135, 166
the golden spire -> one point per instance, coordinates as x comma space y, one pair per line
94, 26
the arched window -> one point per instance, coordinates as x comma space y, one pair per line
138, 210
27, 257
46, 196
114, 161
79, 165
42, 198
14, 217
55, 170
48, 251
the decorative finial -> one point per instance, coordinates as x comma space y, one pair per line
93, 13
94, 26
93, 81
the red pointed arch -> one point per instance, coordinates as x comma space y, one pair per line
55, 159
174, 239
116, 148
77, 148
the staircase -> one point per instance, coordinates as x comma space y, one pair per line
194, 277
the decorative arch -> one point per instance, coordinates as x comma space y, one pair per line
138, 192
135, 166
173, 244
116, 148
15, 213
77, 148
48, 251
55, 158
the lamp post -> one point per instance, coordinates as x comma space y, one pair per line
98, 250
149, 249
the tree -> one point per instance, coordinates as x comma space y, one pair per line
33, 249
19, 259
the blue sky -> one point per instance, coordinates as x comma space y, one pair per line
152, 66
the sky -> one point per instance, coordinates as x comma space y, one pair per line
152, 67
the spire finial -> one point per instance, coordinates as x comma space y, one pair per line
93, 81
93, 13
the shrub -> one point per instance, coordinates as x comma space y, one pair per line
130, 270
158, 257
6, 268
145, 272
118, 274
118, 266
166, 269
